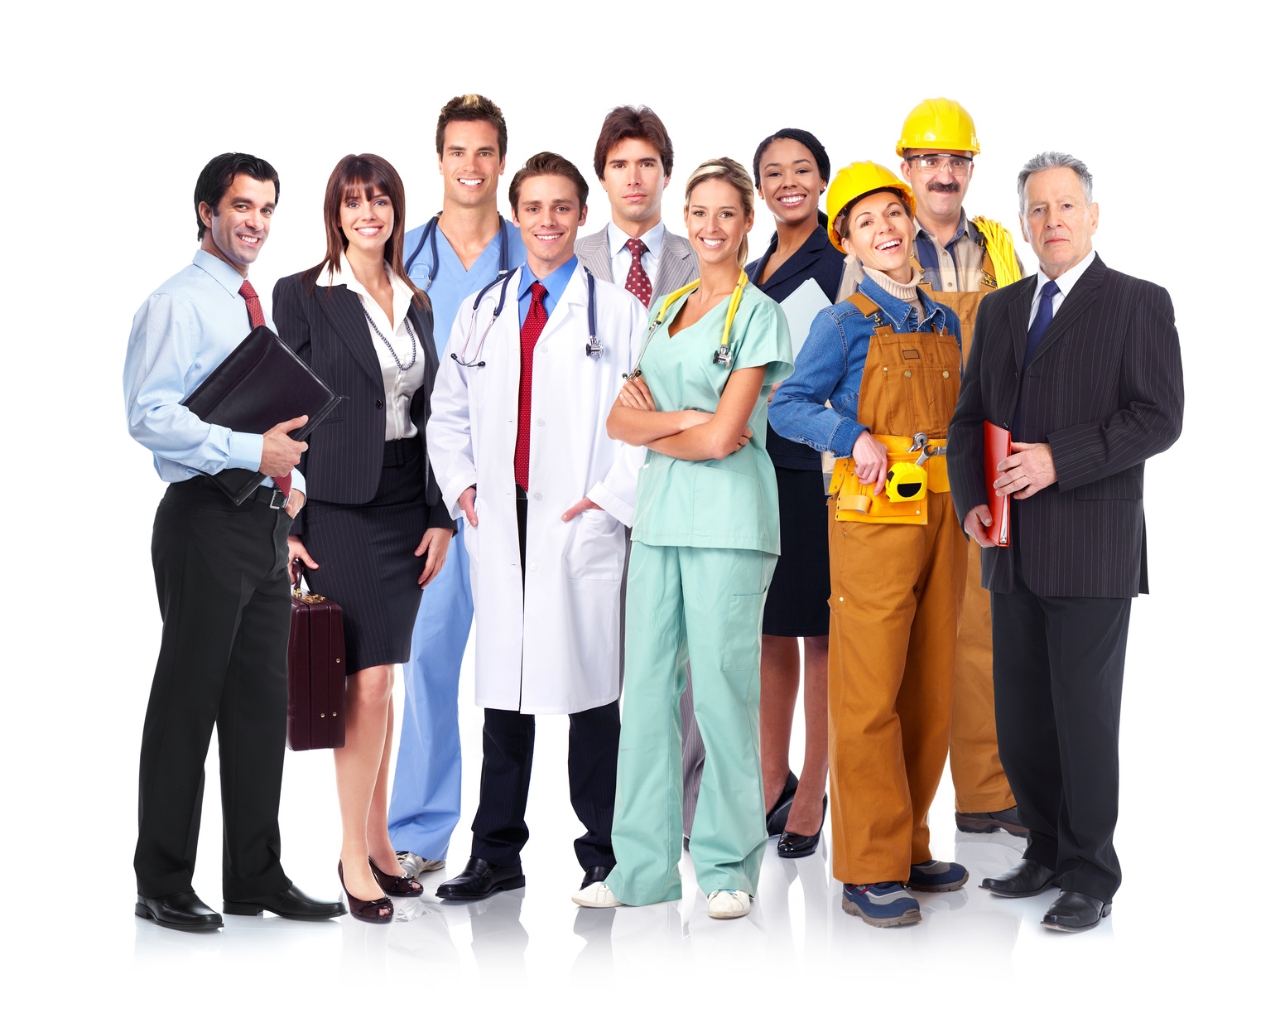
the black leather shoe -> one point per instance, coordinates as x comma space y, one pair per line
1074, 912
479, 880
1027, 878
290, 903
989, 823
797, 846
593, 875
775, 820
179, 911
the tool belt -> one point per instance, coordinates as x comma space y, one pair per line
905, 495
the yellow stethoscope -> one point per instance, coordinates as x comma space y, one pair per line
722, 355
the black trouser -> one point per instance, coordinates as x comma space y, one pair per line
1059, 667
224, 598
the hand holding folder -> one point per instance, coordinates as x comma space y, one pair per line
996, 448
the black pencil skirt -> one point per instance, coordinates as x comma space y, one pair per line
797, 600
366, 559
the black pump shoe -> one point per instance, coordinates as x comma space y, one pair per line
797, 846
402, 886
378, 911
775, 820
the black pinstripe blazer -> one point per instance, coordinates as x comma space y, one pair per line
326, 327
1104, 389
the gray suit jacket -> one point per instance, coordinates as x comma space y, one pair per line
676, 267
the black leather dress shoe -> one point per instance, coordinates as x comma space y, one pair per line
1027, 878
593, 875
290, 903
989, 823
479, 880
1074, 912
179, 911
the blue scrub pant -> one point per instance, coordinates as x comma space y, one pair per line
426, 795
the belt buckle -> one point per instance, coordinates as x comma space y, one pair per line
283, 499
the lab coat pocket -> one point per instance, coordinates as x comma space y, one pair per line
742, 625
596, 548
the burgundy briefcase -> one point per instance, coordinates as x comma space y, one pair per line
317, 674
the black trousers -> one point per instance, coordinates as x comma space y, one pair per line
1058, 669
222, 583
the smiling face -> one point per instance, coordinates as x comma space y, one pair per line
789, 181
716, 221
1056, 220
634, 182
242, 221
939, 191
471, 164
878, 231
367, 221
548, 215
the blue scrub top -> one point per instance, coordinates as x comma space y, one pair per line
454, 284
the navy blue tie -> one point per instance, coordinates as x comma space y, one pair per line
1044, 315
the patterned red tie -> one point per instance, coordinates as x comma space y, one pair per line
638, 281
256, 318
529, 333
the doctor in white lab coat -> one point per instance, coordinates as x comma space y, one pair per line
517, 439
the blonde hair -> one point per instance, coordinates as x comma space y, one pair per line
735, 174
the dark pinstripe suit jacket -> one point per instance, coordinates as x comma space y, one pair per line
326, 327
1104, 389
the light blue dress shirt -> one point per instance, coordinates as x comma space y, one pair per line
184, 330
620, 254
555, 284
453, 284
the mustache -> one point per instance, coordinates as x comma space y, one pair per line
937, 185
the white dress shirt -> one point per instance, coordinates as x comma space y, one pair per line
398, 384
620, 256
1065, 282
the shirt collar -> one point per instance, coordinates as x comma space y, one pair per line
652, 240
555, 283
898, 311
341, 275
219, 270
965, 229
1069, 278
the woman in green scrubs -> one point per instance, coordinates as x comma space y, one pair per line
704, 545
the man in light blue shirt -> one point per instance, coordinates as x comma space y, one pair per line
221, 576
451, 257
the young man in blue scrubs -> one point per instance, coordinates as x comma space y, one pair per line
450, 257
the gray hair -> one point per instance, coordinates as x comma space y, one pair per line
1049, 161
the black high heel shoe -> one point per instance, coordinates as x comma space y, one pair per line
379, 911
401, 886
775, 820
797, 846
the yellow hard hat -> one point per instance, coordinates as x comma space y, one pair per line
939, 123
856, 180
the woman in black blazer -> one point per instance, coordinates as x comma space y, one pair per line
373, 531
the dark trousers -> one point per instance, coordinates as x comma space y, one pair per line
224, 599
1058, 668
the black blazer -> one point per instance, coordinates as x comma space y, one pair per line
1104, 389
326, 327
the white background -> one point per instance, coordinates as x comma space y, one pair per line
111, 110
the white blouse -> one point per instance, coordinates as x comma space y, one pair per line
398, 383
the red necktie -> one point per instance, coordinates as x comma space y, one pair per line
256, 318
638, 281
529, 333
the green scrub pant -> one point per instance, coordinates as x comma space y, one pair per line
702, 607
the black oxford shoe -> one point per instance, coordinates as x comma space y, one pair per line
479, 880
1026, 879
179, 911
1074, 912
290, 903
594, 875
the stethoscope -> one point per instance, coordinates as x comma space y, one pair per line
429, 234
722, 355
594, 347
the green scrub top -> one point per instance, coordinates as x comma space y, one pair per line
728, 503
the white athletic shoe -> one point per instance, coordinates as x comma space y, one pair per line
414, 865
728, 904
595, 896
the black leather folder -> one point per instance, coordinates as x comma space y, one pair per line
261, 383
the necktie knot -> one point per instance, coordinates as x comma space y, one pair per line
636, 246
537, 291
247, 291
1050, 291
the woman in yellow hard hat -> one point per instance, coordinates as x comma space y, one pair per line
876, 383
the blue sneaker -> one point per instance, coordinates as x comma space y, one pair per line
937, 876
883, 904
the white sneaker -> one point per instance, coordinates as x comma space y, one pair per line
595, 896
414, 864
728, 904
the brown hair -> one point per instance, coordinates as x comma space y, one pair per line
734, 173
471, 107
367, 174
623, 122
547, 164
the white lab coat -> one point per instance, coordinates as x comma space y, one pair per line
551, 646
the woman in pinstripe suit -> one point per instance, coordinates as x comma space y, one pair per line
374, 531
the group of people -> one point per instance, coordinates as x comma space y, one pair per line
609, 451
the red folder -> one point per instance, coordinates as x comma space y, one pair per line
996, 447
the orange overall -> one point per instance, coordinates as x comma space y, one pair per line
895, 601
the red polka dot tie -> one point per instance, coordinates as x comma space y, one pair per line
529, 333
638, 281
256, 318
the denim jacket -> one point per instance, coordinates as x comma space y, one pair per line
829, 369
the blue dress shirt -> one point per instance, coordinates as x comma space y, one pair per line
184, 330
555, 284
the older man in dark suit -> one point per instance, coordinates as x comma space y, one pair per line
1082, 364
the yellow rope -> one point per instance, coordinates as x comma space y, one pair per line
1000, 246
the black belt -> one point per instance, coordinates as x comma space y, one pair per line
272, 497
